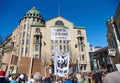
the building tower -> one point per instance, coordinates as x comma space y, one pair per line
32, 17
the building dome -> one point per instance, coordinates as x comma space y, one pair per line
33, 13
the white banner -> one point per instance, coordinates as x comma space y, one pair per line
118, 67
111, 52
60, 34
61, 64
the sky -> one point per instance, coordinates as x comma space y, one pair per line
91, 14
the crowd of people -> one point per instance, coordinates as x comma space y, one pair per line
92, 77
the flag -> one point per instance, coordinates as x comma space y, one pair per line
61, 63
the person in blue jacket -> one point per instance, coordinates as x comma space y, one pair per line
68, 80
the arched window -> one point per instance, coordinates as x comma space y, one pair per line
37, 30
59, 22
79, 32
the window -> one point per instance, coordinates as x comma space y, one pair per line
79, 48
12, 43
33, 19
21, 50
36, 48
64, 48
37, 39
64, 41
68, 48
52, 41
79, 32
37, 19
52, 48
81, 68
83, 57
23, 34
26, 50
82, 48
24, 26
22, 41
60, 47
56, 41
80, 57
59, 22
27, 41
67, 42
25, 19
60, 41
85, 67
37, 30
28, 25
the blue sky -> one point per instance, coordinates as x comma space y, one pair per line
92, 14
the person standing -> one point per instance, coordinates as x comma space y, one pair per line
68, 80
74, 79
31, 80
97, 77
14, 79
2, 77
37, 77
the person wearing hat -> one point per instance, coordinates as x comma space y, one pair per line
22, 77
2, 77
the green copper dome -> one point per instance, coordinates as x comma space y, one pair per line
34, 15
33, 11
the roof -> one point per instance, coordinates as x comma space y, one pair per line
37, 25
33, 11
60, 17
102, 50
58, 26
79, 27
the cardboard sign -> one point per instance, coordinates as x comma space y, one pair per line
118, 67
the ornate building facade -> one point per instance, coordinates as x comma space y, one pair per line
34, 40
113, 36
